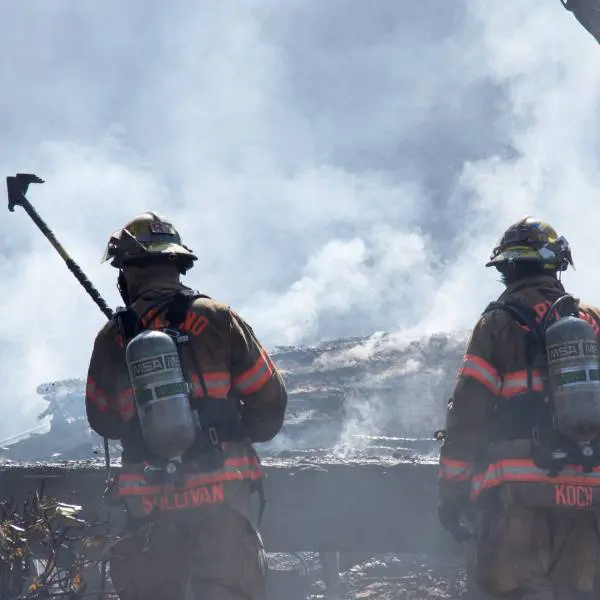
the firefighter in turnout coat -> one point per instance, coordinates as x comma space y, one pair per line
530, 521
196, 529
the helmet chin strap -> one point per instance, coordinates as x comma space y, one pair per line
122, 287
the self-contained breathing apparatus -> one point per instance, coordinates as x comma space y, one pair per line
563, 418
176, 428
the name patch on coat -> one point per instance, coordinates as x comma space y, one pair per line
210, 494
573, 496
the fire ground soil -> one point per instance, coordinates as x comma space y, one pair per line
381, 577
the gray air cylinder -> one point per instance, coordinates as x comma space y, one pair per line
161, 394
572, 353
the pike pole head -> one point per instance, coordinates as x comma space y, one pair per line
17, 186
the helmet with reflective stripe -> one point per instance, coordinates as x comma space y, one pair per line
533, 241
145, 238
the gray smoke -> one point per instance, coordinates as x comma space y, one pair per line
341, 168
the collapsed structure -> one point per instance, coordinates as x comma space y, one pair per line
341, 395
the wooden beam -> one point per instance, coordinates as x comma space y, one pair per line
319, 507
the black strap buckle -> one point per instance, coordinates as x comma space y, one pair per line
213, 436
177, 335
535, 436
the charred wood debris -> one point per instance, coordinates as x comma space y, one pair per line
48, 551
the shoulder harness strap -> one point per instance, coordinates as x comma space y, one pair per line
535, 334
177, 304
534, 339
178, 308
175, 316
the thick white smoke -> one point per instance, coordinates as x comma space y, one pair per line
338, 171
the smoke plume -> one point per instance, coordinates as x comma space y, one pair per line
339, 169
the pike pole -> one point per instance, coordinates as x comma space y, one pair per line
17, 189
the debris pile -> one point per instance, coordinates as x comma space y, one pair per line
346, 397
47, 550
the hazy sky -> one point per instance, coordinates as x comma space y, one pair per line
340, 167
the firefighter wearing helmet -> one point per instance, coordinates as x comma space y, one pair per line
519, 473
182, 381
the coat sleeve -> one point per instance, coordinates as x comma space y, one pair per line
258, 381
592, 315
101, 396
468, 418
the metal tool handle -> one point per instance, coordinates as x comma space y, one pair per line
17, 189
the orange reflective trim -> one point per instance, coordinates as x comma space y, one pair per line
452, 469
198, 490
477, 376
481, 371
218, 384
198, 481
96, 396
514, 470
125, 404
454, 463
515, 382
254, 378
481, 363
134, 484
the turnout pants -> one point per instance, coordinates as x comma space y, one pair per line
523, 553
217, 553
